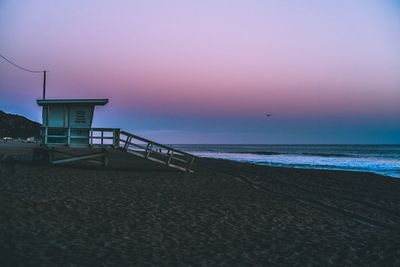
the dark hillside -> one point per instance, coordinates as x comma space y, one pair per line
18, 126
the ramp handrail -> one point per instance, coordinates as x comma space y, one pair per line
172, 157
155, 143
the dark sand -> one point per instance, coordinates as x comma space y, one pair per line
226, 213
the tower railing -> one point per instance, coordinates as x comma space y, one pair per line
72, 136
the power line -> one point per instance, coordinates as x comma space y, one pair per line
12, 63
28, 70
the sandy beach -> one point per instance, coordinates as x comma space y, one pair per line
199, 133
226, 214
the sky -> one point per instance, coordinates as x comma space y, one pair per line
209, 71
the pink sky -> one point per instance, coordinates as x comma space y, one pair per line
180, 60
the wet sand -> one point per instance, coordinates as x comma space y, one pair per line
226, 214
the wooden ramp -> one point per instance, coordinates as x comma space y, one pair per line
54, 138
156, 152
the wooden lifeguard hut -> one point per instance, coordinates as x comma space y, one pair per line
67, 123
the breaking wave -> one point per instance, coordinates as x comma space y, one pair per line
383, 166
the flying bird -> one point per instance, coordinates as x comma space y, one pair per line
269, 114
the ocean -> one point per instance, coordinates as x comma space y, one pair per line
380, 159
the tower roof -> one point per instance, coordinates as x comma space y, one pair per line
97, 102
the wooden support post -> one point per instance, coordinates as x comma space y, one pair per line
116, 136
51, 156
148, 150
46, 133
91, 137
68, 136
106, 161
102, 136
170, 156
105, 158
127, 141
190, 164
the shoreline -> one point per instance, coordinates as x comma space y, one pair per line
387, 173
310, 168
226, 213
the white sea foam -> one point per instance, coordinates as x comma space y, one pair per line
383, 166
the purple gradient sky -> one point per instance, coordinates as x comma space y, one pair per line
208, 71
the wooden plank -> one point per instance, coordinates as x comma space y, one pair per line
191, 163
69, 135
135, 153
181, 160
95, 155
157, 160
178, 167
155, 152
139, 146
103, 129
73, 155
100, 146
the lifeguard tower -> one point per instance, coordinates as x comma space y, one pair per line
67, 123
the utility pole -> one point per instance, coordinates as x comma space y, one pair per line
44, 84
